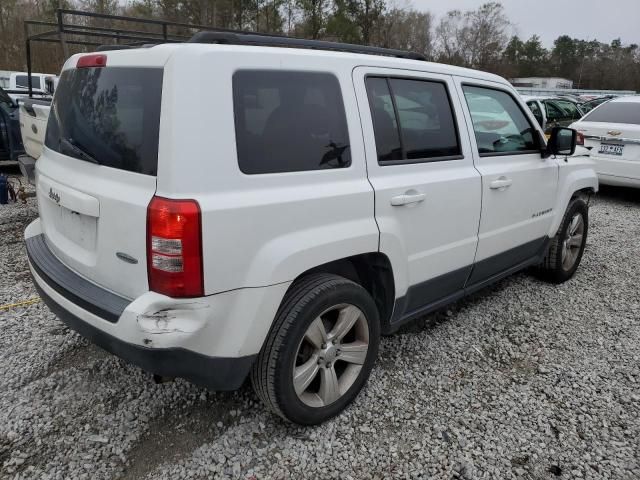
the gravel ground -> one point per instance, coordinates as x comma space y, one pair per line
522, 380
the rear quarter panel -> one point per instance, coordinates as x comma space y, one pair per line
262, 229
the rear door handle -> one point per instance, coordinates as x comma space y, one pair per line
501, 183
407, 199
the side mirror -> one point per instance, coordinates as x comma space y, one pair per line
562, 142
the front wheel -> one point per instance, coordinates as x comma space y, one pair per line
566, 249
320, 350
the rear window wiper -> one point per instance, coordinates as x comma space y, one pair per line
69, 143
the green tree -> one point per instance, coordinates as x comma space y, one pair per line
533, 58
314, 16
341, 23
406, 30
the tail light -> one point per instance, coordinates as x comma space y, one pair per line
580, 140
174, 247
94, 60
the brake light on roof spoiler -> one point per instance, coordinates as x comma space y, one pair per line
174, 247
94, 60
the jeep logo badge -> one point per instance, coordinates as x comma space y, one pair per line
54, 196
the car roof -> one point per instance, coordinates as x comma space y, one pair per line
527, 98
627, 99
163, 52
359, 59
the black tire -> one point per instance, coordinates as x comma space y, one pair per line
552, 268
272, 373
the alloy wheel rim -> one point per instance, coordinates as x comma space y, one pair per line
330, 355
572, 242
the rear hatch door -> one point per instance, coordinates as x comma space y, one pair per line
97, 172
612, 141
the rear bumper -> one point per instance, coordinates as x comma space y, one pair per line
139, 331
617, 172
213, 372
617, 181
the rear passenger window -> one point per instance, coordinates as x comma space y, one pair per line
500, 126
412, 120
289, 122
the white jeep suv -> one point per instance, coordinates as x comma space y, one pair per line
229, 208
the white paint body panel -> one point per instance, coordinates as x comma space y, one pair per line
440, 234
231, 324
511, 216
260, 232
101, 211
263, 229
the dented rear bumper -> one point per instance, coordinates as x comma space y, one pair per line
216, 373
206, 340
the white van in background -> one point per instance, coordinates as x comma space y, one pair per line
42, 83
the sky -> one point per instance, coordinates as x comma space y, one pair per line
603, 20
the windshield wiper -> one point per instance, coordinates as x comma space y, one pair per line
71, 145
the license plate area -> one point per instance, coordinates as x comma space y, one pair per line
78, 228
613, 149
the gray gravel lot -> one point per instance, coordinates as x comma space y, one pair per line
522, 380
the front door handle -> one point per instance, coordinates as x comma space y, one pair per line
407, 199
501, 183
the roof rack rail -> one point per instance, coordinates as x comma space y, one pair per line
107, 48
232, 38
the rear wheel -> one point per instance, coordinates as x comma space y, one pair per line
320, 350
566, 249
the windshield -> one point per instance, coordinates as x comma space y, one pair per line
615, 112
109, 116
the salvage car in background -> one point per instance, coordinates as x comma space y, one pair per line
589, 105
612, 133
34, 113
10, 140
553, 112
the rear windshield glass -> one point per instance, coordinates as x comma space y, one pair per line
615, 112
109, 116
23, 81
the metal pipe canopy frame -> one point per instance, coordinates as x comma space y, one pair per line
61, 28
136, 38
